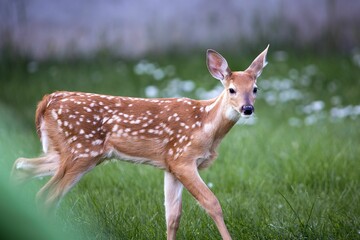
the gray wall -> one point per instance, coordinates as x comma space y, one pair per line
133, 28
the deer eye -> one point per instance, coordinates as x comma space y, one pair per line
255, 90
232, 91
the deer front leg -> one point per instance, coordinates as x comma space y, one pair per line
190, 178
173, 204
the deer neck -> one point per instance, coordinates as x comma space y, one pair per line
220, 117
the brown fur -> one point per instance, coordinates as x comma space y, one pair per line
40, 110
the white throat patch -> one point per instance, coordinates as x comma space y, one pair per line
232, 114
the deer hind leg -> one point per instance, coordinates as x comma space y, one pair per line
26, 168
188, 175
65, 178
173, 204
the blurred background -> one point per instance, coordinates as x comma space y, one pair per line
43, 29
295, 174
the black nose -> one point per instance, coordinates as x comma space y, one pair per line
247, 109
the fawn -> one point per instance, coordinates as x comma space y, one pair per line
79, 130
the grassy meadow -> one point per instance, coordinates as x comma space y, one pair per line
291, 172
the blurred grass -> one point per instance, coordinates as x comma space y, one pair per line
274, 180
20, 218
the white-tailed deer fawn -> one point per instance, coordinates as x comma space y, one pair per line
80, 130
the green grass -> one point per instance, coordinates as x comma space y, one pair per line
275, 180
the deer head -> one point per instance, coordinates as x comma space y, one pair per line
240, 86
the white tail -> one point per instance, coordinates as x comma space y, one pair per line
180, 135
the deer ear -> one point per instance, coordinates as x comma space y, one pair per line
217, 65
258, 64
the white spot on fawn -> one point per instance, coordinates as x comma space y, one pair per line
135, 121
97, 142
94, 153
53, 113
115, 128
171, 152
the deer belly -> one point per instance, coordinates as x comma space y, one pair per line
145, 151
